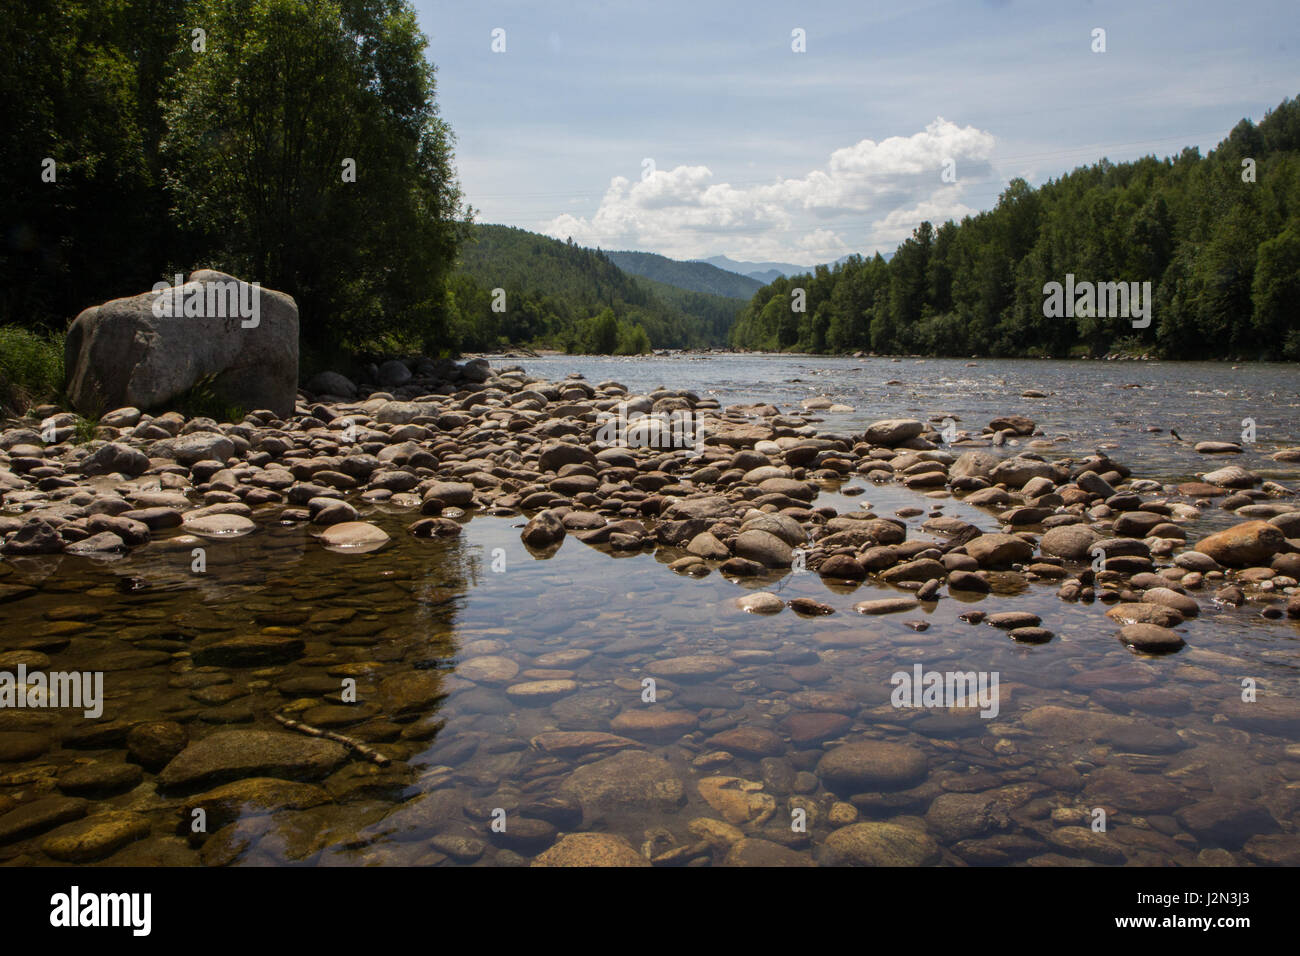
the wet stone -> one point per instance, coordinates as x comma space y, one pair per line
1150, 638
96, 836
702, 696
524, 835
17, 746
1226, 822
872, 765
630, 783
252, 650
748, 741
654, 722
1133, 792
585, 711
488, 670
235, 754
100, 777
591, 849
1082, 841
813, 727
879, 844
696, 667
40, 815
751, 851
541, 691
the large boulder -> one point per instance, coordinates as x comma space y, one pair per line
240, 341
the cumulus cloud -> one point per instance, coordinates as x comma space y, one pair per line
886, 188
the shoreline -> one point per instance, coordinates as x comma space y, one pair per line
517, 355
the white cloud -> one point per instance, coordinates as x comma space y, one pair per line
878, 192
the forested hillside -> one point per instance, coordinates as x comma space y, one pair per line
1218, 238
561, 295
713, 315
693, 276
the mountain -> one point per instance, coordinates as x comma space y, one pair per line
695, 276
562, 295
764, 272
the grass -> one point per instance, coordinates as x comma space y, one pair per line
31, 368
84, 430
200, 401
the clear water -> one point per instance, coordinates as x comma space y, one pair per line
1084, 723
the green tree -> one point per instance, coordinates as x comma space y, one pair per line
1276, 293
266, 126
79, 82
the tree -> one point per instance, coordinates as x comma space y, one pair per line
304, 143
1276, 293
79, 82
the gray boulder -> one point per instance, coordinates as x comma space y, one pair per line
332, 383
394, 372
115, 457
1017, 472
149, 349
194, 447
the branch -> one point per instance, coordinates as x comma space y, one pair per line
368, 752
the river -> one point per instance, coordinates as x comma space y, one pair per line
1095, 754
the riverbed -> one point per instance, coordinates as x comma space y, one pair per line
1096, 755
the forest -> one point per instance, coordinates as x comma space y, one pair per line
296, 143
1217, 236
561, 295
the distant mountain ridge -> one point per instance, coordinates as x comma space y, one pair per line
763, 272
556, 294
692, 276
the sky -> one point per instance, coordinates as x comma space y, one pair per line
695, 129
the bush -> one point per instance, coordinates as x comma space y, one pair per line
31, 368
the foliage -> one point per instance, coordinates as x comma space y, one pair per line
691, 276
200, 400
31, 368
1222, 255
171, 158
556, 295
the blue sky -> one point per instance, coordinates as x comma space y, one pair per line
760, 152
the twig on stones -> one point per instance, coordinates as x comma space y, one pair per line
368, 752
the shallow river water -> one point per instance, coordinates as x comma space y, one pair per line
1163, 749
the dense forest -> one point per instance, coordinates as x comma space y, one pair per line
560, 295
1218, 238
296, 142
